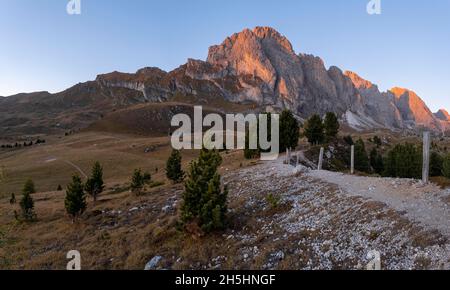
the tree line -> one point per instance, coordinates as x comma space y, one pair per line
316, 130
24, 144
402, 161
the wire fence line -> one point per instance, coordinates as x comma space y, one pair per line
419, 168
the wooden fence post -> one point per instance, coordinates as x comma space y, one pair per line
426, 157
319, 166
352, 160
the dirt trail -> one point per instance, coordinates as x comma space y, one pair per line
76, 167
52, 158
421, 203
332, 221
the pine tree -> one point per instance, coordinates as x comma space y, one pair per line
250, 153
214, 209
446, 166
331, 125
75, 201
94, 185
203, 200
289, 131
361, 158
377, 141
376, 161
29, 187
138, 181
436, 164
12, 200
147, 177
27, 203
349, 140
173, 167
314, 130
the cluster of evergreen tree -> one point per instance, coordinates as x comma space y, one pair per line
204, 200
377, 141
138, 180
446, 166
24, 144
404, 161
439, 164
376, 161
26, 202
436, 164
318, 131
75, 201
289, 135
372, 163
361, 158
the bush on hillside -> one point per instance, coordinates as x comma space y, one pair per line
404, 161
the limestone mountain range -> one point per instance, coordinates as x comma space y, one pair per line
257, 67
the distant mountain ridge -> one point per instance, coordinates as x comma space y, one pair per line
256, 67
443, 115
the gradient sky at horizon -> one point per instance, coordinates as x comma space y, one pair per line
44, 48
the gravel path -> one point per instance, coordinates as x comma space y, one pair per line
421, 203
333, 221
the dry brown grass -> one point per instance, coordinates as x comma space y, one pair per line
443, 182
108, 240
105, 240
48, 165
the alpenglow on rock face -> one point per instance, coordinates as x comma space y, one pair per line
413, 109
443, 115
444, 119
270, 73
381, 106
258, 67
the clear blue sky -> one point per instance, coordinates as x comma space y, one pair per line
44, 48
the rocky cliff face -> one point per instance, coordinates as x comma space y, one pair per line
443, 115
444, 119
415, 113
381, 106
269, 72
256, 66
265, 69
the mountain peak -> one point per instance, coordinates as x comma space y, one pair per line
398, 91
262, 52
358, 81
249, 42
413, 108
265, 32
443, 115
256, 66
